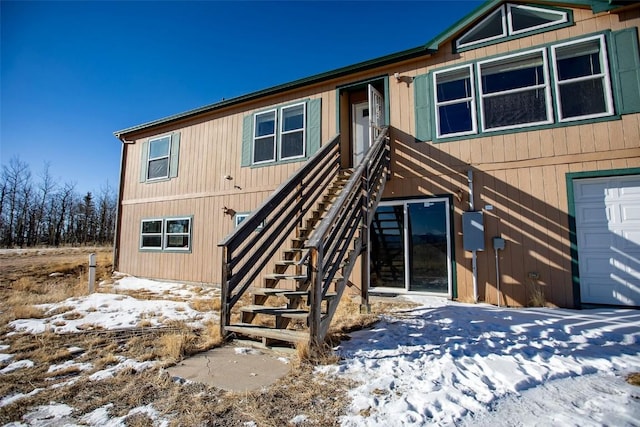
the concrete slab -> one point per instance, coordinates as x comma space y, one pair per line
234, 367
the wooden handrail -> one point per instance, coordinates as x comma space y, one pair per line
333, 239
245, 253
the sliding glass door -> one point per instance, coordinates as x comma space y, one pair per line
411, 246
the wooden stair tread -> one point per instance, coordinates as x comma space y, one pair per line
285, 276
290, 313
278, 292
286, 335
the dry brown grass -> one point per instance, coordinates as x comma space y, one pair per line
634, 379
206, 304
321, 399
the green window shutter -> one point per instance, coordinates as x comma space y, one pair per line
247, 140
175, 152
626, 70
422, 103
314, 118
143, 161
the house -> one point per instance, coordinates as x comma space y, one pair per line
499, 162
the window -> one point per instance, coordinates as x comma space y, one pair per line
281, 133
242, 216
177, 233
514, 91
455, 102
512, 20
264, 140
168, 234
151, 234
292, 132
490, 28
582, 82
159, 158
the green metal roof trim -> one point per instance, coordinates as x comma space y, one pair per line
431, 47
595, 5
361, 66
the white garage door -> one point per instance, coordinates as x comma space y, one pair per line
608, 234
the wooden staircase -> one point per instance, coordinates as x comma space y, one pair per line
293, 272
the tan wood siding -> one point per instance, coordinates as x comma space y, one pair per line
521, 175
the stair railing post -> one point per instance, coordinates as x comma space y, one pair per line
225, 310
315, 297
365, 308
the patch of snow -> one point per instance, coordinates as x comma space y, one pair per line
54, 414
298, 419
14, 397
4, 357
109, 311
284, 360
4, 347
453, 363
69, 364
20, 364
98, 417
246, 350
124, 364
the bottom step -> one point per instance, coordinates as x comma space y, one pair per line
285, 335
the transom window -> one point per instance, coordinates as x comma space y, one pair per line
168, 234
285, 125
158, 158
514, 91
511, 20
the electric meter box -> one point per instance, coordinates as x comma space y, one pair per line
473, 231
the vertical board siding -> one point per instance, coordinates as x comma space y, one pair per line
521, 175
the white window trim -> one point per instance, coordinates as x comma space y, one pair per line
236, 221
472, 99
502, 12
164, 235
168, 157
546, 85
274, 135
283, 132
564, 19
152, 248
605, 75
165, 240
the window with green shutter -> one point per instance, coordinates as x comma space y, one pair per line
160, 158
281, 134
596, 77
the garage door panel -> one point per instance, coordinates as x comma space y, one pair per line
608, 237
590, 191
592, 215
595, 240
630, 213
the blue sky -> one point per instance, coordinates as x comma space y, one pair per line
72, 73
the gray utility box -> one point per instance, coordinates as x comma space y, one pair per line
473, 231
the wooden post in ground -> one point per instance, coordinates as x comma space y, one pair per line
92, 273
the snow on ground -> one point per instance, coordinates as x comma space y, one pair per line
442, 363
459, 364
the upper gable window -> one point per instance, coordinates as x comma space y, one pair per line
511, 20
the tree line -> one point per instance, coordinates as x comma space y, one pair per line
42, 212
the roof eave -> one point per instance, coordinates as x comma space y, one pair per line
361, 66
